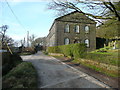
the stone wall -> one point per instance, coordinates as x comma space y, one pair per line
61, 35
51, 36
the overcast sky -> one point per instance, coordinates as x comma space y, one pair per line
33, 16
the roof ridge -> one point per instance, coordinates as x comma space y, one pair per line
69, 14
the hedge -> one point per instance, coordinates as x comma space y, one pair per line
9, 61
54, 49
77, 50
23, 75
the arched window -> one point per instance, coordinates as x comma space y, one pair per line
87, 42
76, 29
67, 41
67, 28
87, 29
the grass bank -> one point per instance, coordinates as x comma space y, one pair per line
106, 69
22, 76
102, 60
109, 57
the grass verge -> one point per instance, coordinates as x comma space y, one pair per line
107, 66
22, 76
98, 67
103, 60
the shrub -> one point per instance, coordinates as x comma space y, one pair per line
9, 61
69, 50
66, 50
54, 49
23, 75
61, 49
77, 50
45, 52
118, 44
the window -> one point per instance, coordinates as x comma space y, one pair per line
86, 29
87, 42
67, 41
76, 29
67, 28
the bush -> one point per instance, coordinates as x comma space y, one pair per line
45, 52
22, 76
73, 50
66, 50
9, 61
118, 44
79, 50
54, 49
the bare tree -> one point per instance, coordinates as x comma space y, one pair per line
9, 40
6, 42
16, 43
94, 9
41, 41
3, 32
4, 39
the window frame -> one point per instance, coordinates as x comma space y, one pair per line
77, 29
67, 28
65, 41
87, 44
88, 29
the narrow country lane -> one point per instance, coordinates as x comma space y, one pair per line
52, 73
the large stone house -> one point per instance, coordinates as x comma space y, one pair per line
72, 28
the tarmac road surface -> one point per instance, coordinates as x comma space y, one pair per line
52, 73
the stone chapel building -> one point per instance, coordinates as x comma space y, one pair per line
72, 28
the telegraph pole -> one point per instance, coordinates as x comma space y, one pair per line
24, 41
